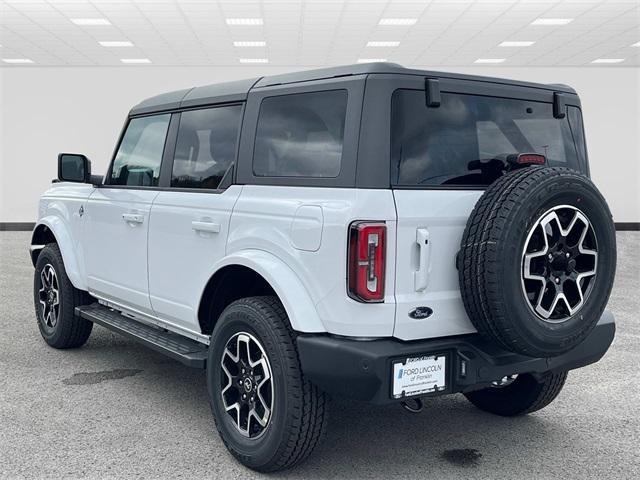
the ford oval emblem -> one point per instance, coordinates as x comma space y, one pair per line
420, 312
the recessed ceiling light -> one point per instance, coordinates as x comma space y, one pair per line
135, 60
490, 60
382, 44
17, 60
551, 21
245, 21
371, 60
116, 44
516, 44
254, 60
250, 44
637, 44
90, 21
397, 21
608, 60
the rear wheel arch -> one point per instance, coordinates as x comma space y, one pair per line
228, 284
257, 273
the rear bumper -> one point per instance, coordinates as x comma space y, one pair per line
362, 369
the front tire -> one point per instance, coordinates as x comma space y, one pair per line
524, 395
55, 299
270, 417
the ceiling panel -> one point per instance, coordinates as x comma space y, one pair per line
319, 32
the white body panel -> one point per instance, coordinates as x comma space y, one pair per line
59, 210
286, 222
187, 236
158, 260
430, 227
117, 224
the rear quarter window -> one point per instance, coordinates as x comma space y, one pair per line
301, 135
462, 142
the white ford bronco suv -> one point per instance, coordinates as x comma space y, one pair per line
367, 231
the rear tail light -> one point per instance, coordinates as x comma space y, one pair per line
367, 258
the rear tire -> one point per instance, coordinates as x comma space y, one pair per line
296, 421
55, 299
524, 395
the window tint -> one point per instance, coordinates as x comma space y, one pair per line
301, 135
206, 146
577, 129
140, 154
466, 139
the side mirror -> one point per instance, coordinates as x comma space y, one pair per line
74, 167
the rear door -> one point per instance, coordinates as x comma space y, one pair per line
442, 159
190, 219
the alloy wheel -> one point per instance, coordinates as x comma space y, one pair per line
49, 295
247, 384
559, 263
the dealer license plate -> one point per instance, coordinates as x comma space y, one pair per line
419, 375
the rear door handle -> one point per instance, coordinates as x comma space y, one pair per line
133, 218
421, 277
208, 227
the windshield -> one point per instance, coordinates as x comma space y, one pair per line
465, 141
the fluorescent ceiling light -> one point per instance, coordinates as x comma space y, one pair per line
382, 44
490, 60
397, 21
250, 44
254, 60
116, 43
91, 21
371, 60
245, 21
551, 21
17, 60
608, 60
516, 44
637, 44
135, 60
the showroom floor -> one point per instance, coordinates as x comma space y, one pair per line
116, 409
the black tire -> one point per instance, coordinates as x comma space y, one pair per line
68, 330
491, 267
524, 395
297, 423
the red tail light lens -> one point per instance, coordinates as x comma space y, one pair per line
367, 258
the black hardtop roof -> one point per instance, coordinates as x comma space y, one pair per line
239, 89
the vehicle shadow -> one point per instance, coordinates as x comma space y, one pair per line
450, 436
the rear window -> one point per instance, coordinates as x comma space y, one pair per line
301, 135
465, 140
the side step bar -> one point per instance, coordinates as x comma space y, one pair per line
185, 350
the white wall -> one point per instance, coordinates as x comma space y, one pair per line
46, 110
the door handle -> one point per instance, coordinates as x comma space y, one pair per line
133, 218
208, 227
421, 277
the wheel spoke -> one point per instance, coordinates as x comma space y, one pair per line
246, 384
557, 278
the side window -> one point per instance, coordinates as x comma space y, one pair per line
137, 162
206, 146
301, 135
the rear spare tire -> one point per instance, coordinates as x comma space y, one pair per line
537, 260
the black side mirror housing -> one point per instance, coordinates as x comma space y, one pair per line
74, 167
